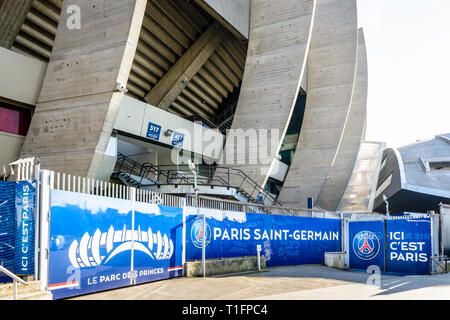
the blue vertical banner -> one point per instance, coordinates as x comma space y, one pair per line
7, 226
397, 246
25, 202
366, 244
284, 240
409, 246
159, 245
96, 245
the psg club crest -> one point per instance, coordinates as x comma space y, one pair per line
366, 245
197, 233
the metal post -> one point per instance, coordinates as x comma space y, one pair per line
387, 205
15, 289
194, 172
37, 219
258, 249
204, 247
133, 202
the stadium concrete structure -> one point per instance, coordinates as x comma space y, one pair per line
106, 89
416, 177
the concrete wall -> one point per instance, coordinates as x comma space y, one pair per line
331, 75
232, 13
335, 260
77, 100
341, 171
223, 266
109, 161
278, 45
10, 146
21, 77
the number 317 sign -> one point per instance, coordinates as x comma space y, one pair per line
153, 131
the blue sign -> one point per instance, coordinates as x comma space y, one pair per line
7, 226
177, 139
284, 240
401, 246
366, 244
153, 131
409, 245
94, 246
25, 223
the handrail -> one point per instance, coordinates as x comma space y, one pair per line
15, 280
318, 210
213, 175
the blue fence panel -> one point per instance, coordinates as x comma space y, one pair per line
284, 240
25, 227
7, 226
160, 233
409, 246
91, 243
366, 244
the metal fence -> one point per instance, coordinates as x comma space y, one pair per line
231, 205
73, 183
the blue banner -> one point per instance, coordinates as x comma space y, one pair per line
25, 224
94, 245
409, 246
284, 240
400, 246
366, 244
7, 226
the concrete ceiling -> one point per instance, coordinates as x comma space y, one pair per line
169, 31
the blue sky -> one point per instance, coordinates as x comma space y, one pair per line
408, 43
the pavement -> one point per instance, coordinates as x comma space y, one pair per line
311, 282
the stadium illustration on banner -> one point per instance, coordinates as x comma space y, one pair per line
106, 243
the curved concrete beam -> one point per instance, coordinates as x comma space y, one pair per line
280, 33
353, 135
331, 76
78, 105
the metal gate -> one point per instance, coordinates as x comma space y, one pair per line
400, 245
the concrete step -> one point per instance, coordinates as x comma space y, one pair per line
42, 295
24, 292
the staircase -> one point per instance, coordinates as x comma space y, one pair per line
32, 291
150, 177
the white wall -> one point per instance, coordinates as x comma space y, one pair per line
109, 161
21, 77
134, 118
10, 145
234, 12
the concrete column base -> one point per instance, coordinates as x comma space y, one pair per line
335, 260
223, 266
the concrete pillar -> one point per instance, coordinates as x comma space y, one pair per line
341, 171
278, 46
331, 76
77, 106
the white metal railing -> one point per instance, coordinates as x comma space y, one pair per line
15, 280
231, 205
73, 183
24, 169
381, 217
